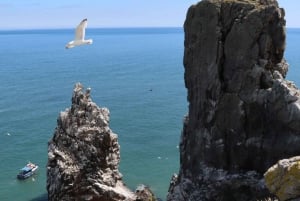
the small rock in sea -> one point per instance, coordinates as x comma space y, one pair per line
144, 193
84, 154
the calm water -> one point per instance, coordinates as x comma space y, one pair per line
136, 73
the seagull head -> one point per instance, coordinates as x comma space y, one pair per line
89, 41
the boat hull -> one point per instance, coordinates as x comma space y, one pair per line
28, 174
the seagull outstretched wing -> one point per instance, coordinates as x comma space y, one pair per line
80, 30
79, 36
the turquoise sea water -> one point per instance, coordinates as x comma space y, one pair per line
136, 73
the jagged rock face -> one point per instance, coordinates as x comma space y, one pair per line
243, 115
84, 154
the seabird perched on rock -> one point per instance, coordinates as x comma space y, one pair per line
88, 92
79, 36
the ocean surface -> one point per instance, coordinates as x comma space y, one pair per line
135, 72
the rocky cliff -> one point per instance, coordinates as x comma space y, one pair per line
243, 115
84, 154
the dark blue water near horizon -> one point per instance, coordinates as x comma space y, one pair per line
135, 72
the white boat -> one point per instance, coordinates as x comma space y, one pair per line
27, 171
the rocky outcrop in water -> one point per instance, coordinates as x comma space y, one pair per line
243, 115
144, 193
84, 155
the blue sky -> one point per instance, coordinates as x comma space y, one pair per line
27, 14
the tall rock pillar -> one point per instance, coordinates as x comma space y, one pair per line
243, 114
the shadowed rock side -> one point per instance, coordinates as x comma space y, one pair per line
243, 115
83, 155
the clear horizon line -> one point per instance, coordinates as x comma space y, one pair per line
105, 27
108, 27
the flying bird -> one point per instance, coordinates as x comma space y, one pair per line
79, 36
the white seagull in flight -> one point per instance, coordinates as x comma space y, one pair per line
79, 36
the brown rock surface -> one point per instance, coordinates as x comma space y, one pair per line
283, 179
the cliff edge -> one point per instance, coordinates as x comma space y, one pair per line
84, 155
243, 114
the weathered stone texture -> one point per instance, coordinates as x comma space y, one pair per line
84, 155
243, 115
283, 179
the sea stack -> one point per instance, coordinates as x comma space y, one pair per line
243, 115
84, 154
